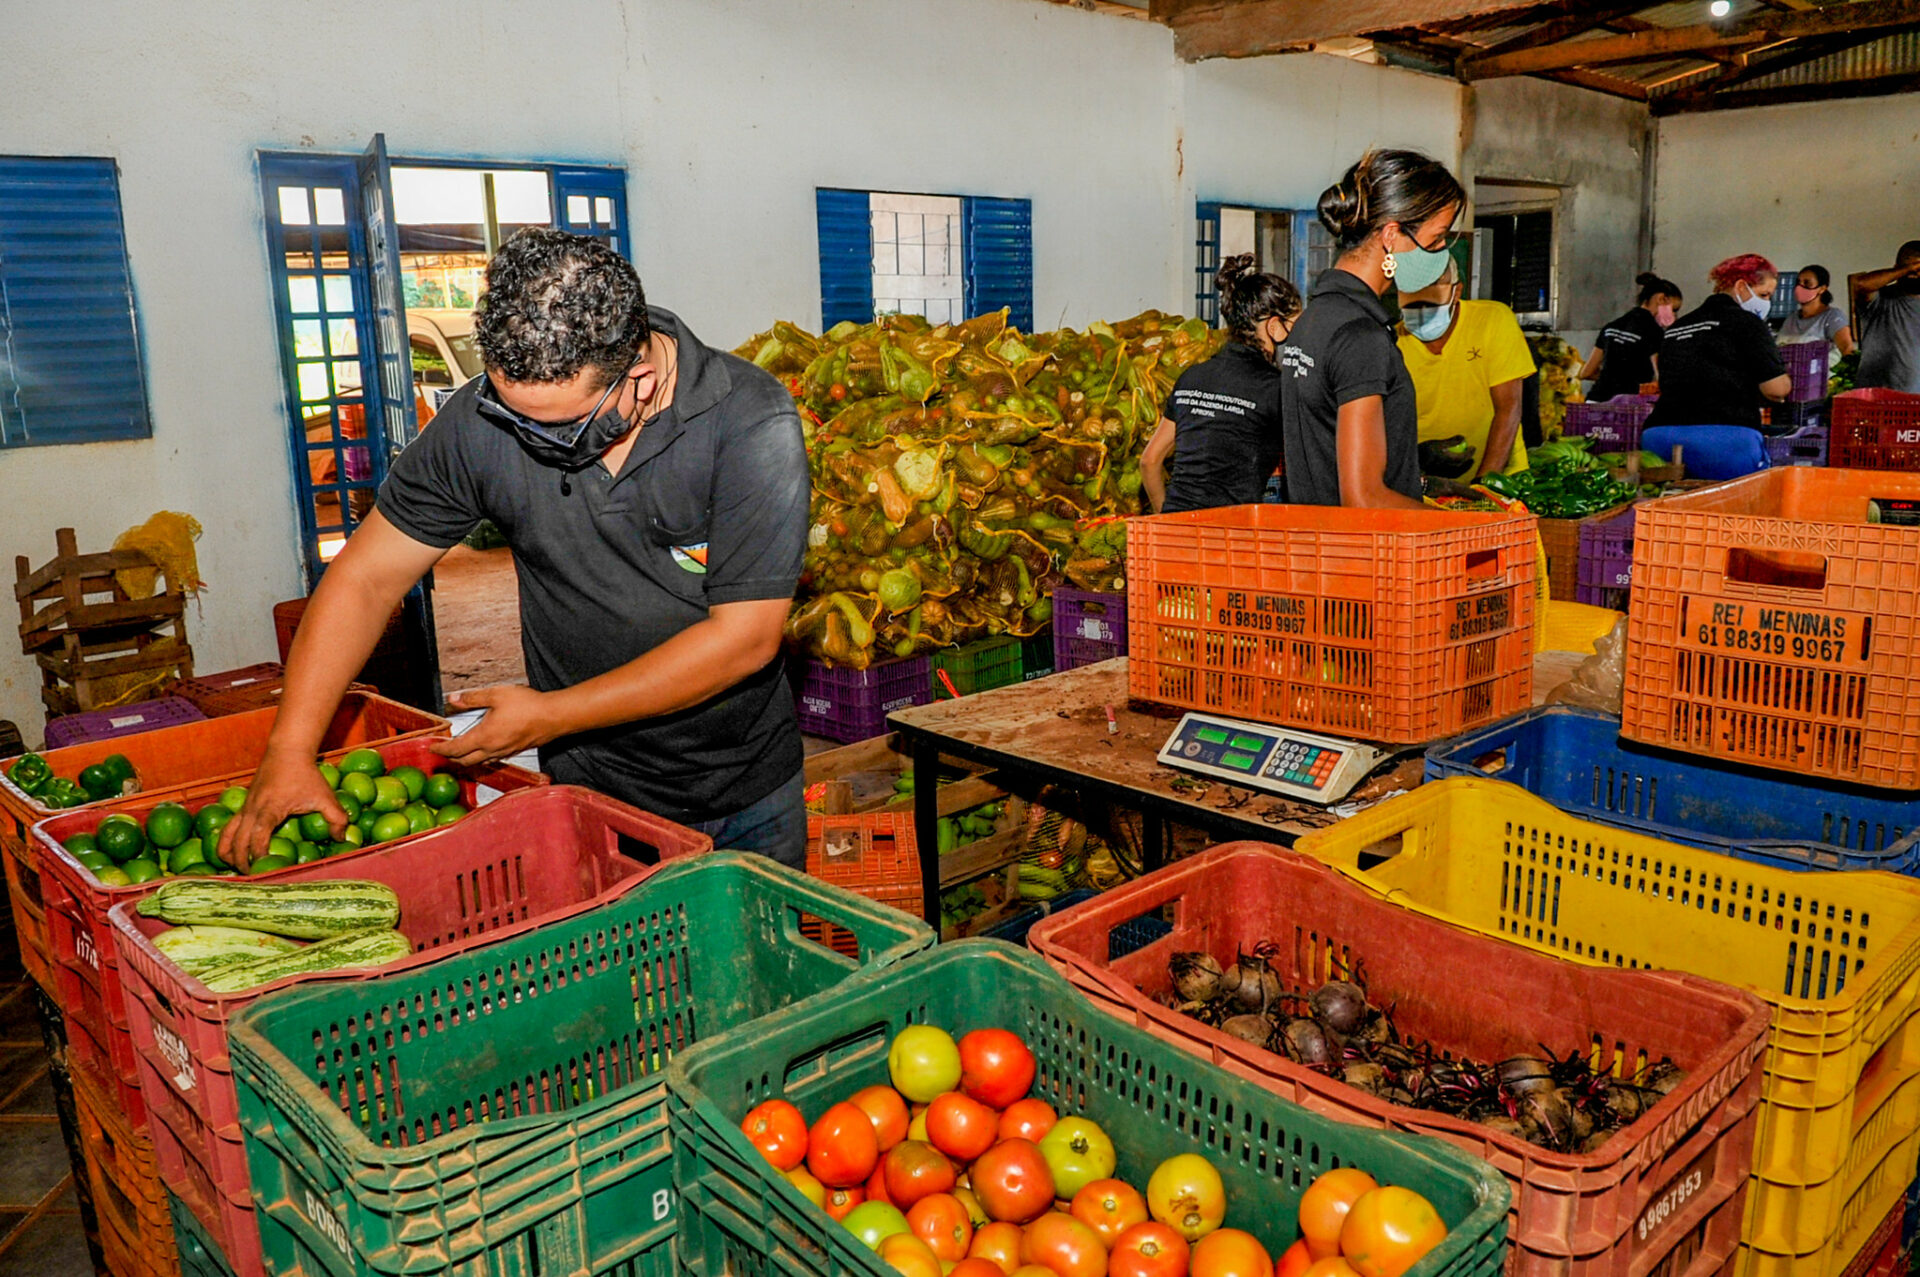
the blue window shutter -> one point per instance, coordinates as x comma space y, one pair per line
70, 367
846, 257
998, 237
1206, 262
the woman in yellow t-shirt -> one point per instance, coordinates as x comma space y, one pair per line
1468, 360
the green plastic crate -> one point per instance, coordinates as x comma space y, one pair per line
1036, 655
503, 1111
740, 1217
199, 1255
976, 667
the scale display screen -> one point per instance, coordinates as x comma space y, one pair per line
1280, 760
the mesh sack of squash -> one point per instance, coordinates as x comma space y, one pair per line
785, 350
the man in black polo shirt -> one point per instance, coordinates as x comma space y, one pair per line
654, 492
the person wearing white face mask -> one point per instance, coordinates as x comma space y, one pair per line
1468, 360
1719, 361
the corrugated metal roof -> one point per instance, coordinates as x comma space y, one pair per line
1894, 55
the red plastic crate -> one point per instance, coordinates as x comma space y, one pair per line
851, 705
1614, 425
1875, 430
1881, 1256
1671, 1184
123, 1179
123, 720
1773, 625
80, 950
532, 858
1806, 363
1087, 627
872, 854
1387, 625
168, 761
237, 691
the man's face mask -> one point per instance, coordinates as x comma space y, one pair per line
567, 444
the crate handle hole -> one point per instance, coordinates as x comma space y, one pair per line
1483, 563
1786, 569
1378, 853
1493, 762
636, 849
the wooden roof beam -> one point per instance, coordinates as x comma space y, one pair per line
1249, 28
1644, 46
1557, 29
1878, 86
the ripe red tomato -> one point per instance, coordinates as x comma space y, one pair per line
841, 1200
961, 1127
1065, 1245
841, 1147
888, 1111
908, 1255
1012, 1181
1149, 1250
941, 1222
1295, 1261
1028, 1119
1331, 1267
1324, 1207
996, 1067
1228, 1252
1389, 1230
778, 1131
999, 1244
915, 1170
876, 1185
976, 1268
1109, 1207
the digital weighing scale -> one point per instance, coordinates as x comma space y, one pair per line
1279, 760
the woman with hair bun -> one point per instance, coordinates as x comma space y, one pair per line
1622, 359
1816, 318
1221, 424
1351, 416
1719, 360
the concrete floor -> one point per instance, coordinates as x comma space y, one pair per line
476, 615
40, 1229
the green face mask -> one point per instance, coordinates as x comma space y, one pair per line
1417, 267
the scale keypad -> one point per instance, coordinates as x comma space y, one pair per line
1302, 764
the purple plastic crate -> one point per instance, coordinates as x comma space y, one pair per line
1806, 446
1807, 364
849, 705
1087, 628
1606, 562
1613, 426
122, 720
1782, 416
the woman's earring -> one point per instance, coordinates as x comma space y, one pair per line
1388, 265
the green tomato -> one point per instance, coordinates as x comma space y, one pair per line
1078, 1152
923, 1062
874, 1222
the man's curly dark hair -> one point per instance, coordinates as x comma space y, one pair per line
556, 303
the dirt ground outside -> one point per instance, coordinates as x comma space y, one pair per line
476, 614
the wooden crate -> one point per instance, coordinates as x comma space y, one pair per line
81, 628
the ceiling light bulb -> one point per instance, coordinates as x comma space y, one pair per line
1720, 8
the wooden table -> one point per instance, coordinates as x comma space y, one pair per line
1054, 730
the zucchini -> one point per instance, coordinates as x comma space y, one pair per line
197, 949
304, 910
356, 949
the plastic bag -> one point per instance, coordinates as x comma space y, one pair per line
1599, 683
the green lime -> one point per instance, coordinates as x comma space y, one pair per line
449, 814
94, 861
199, 869
191, 852
267, 864
211, 819
80, 845
365, 820
233, 798
121, 840
99, 782
348, 803
419, 817
342, 848
442, 788
365, 761
389, 794
330, 774
314, 827
113, 876
390, 826
359, 785
307, 852
278, 847
289, 830
140, 869
413, 778
355, 837
120, 765
168, 825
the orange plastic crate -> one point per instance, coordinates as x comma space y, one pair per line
872, 854
1773, 625
136, 1223
1388, 625
1875, 430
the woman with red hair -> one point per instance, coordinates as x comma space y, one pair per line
1719, 361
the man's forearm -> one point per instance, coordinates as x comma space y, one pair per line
693, 666
1504, 430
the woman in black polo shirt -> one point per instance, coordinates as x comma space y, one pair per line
1351, 424
1222, 421
1622, 358
1719, 360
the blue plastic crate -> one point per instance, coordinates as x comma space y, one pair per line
1575, 759
1124, 939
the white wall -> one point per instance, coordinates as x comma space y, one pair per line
1837, 183
727, 113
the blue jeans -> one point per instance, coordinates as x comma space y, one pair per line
775, 827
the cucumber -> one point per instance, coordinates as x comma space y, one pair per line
304, 910
356, 949
196, 949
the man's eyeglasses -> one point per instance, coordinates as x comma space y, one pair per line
565, 434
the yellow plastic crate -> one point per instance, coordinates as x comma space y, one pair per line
1836, 955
